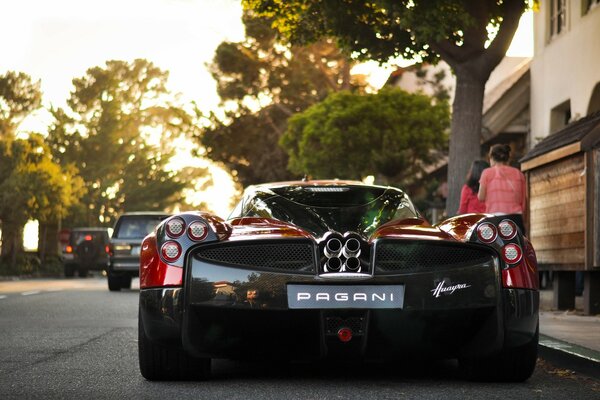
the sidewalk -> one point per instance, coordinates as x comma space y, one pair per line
569, 336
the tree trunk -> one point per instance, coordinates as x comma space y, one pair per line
465, 135
12, 242
48, 240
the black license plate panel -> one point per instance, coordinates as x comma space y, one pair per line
345, 296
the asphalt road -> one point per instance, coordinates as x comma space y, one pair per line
73, 339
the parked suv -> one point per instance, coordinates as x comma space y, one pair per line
129, 231
85, 250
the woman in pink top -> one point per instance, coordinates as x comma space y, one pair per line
469, 203
502, 187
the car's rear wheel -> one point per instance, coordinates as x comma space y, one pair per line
511, 365
126, 282
163, 363
114, 282
82, 272
69, 271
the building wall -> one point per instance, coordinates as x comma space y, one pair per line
566, 68
557, 217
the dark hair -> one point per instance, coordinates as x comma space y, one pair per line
474, 174
500, 152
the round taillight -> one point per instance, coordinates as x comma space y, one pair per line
197, 231
486, 232
507, 229
512, 253
175, 227
171, 250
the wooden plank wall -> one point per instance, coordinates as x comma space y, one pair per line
557, 213
596, 208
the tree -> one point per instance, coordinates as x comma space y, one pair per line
120, 132
351, 136
19, 96
32, 186
262, 82
455, 30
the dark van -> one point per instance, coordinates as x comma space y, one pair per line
86, 250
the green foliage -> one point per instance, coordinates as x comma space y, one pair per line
384, 29
120, 132
454, 30
391, 134
19, 96
26, 264
263, 82
29, 264
248, 146
32, 185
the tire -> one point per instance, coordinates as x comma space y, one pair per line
125, 282
82, 272
159, 363
114, 282
69, 271
511, 365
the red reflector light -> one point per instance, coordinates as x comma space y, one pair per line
345, 334
175, 227
69, 249
512, 253
507, 229
197, 231
171, 250
487, 232
107, 249
88, 237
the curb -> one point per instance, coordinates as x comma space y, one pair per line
572, 356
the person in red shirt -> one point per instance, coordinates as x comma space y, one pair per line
502, 187
469, 203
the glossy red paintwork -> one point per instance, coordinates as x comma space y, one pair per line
410, 228
458, 227
262, 228
217, 224
153, 271
525, 274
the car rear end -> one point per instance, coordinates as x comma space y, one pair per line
274, 297
86, 249
125, 243
421, 299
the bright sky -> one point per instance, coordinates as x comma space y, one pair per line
58, 40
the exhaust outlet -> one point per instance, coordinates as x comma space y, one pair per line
333, 247
352, 264
351, 248
333, 264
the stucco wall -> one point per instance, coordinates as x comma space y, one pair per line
566, 67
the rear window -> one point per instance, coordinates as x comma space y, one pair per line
136, 227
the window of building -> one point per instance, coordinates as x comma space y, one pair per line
558, 16
560, 116
589, 4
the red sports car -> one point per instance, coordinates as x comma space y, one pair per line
336, 269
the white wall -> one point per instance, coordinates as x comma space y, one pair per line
566, 67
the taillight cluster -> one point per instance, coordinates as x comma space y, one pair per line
178, 233
506, 230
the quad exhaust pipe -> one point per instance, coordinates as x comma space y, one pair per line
342, 254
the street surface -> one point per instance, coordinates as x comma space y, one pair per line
74, 339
